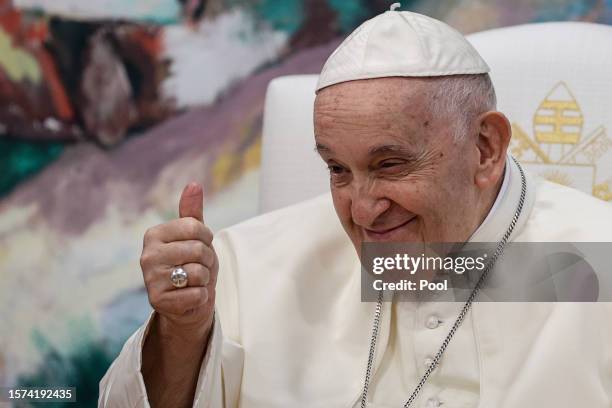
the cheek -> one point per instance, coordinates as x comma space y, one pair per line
342, 203
427, 198
415, 196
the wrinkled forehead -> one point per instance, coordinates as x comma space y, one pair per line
381, 103
389, 88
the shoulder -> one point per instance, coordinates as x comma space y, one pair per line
565, 214
310, 223
316, 213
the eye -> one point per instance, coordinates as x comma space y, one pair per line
338, 175
390, 163
334, 169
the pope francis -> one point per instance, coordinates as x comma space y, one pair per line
269, 312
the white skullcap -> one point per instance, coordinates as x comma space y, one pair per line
401, 43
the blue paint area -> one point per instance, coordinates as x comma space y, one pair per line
82, 367
349, 13
568, 12
352, 13
606, 16
121, 317
162, 12
149, 11
146, 11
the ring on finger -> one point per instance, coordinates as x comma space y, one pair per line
178, 277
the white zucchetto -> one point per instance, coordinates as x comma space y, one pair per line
401, 43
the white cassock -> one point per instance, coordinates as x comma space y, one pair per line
291, 330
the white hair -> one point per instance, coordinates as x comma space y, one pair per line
460, 99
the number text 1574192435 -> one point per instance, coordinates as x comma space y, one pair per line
46, 394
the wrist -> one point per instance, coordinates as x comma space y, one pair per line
194, 333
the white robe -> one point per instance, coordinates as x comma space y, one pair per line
291, 330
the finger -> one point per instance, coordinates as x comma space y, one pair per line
197, 275
159, 281
181, 229
179, 253
178, 302
191, 203
213, 271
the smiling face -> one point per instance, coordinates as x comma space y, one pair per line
397, 173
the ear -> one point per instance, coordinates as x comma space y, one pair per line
492, 144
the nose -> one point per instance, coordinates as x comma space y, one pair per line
367, 204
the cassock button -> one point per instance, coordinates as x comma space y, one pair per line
428, 362
432, 322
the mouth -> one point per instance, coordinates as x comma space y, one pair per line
386, 234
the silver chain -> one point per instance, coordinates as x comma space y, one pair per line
460, 318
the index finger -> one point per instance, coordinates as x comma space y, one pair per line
182, 229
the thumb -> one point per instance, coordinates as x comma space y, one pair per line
191, 203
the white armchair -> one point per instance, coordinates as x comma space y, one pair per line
553, 81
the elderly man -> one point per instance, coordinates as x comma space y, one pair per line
405, 120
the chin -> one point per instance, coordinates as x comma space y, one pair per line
404, 238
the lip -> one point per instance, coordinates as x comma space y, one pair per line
386, 233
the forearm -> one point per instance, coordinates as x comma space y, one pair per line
171, 361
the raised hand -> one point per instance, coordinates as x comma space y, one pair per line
184, 242
178, 336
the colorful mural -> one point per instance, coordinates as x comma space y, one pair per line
108, 108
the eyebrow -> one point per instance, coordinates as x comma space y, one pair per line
396, 149
376, 150
319, 148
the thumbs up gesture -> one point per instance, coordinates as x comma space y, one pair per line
185, 242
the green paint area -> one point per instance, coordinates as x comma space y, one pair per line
83, 368
22, 159
17, 63
350, 13
161, 12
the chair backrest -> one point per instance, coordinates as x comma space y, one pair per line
291, 170
553, 81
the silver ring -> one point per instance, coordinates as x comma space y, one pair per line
178, 277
